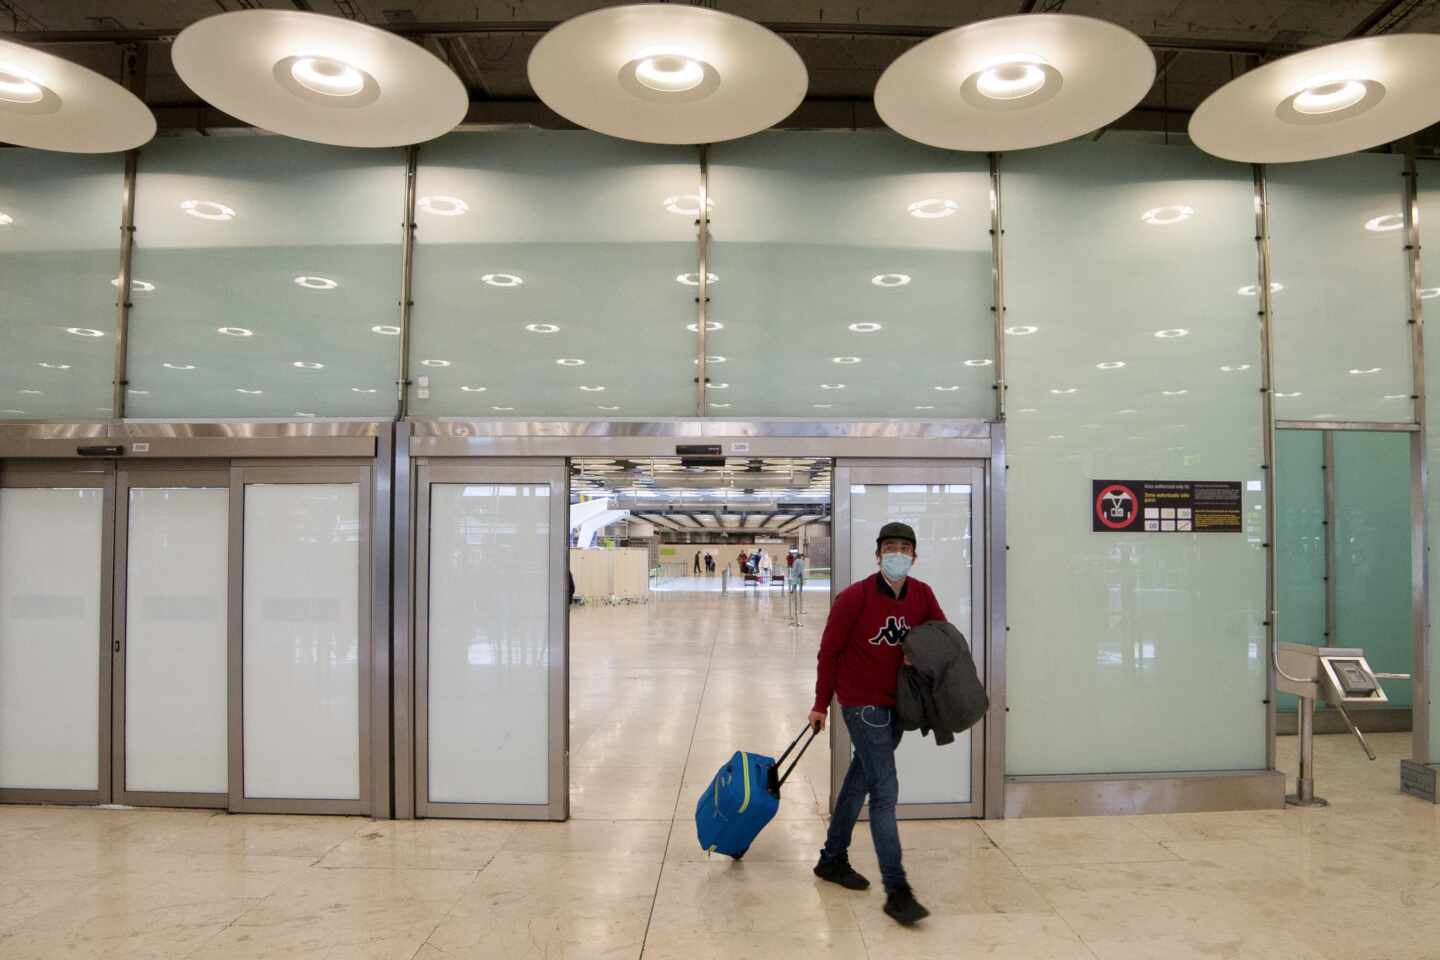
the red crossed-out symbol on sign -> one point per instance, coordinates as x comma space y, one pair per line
1117, 506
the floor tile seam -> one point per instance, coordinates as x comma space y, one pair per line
680, 789
450, 910
199, 947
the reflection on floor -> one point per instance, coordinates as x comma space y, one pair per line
661, 694
715, 584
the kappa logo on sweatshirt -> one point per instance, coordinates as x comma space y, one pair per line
892, 633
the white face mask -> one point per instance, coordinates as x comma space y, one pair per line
896, 565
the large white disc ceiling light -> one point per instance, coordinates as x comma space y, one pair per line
1015, 82
53, 104
666, 73
1324, 102
320, 78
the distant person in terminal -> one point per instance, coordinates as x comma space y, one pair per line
859, 661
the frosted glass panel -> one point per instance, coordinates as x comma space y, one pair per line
1429, 186
1156, 640
50, 599
567, 233
1372, 556
302, 640
489, 664
879, 252
1300, 541
293, 251
1342, 341
940, 514
175, 640
59, 250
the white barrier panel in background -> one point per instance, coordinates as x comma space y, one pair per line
301, 640
941, 515
489, 628
175, 640
50, 601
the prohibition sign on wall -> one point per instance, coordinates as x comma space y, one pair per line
1117, 507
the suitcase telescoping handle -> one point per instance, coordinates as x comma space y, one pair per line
777, 779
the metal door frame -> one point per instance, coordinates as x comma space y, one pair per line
209, 475
973, 473
243, 474
90, 475
556, 474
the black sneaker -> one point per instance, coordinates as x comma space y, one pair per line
839, 871
901, 904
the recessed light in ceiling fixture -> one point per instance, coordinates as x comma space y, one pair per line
1012, 76
1164, 216
54, 104
316, 283
502, 280
933, 209
138, 286
385, 329
86, 332
1386, 223
693, 279
237, 331
442, 206
308, 365
1171, 334
1021, 331
327, 76
710, 326
207, 210
17, 87
890, 279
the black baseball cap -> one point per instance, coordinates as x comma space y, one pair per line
895, 530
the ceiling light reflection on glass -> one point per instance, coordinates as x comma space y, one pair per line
1174, 393
442, 206
688, 204
845, 361
137, 286
710, 326
502, 409
709, 360
240, 331
53, 366
207, 210
542, 328
1386, 223
473, 389
1287, 396
1063, 391
832, 386
1165, 216
252, 393
1358, 372
951, 388
866, 327
979, 363
693, 279
1250, 290
85, 332
1397, 396
1110, 365
385, 330
1022, 331
1235, 368
502, 280
933, 209
1429, 293
570, 362
590, 389
316, 283
308, 365
178, 366
1171, 334
890, 279
363, 390
719, 405
6, 220
924, 406
717, 386
608, 407
435, 363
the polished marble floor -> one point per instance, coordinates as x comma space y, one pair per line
661, 694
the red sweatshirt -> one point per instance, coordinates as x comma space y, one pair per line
860, 653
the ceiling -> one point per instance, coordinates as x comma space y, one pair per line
846, 45
769, 497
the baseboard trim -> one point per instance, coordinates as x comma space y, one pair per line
1129, 794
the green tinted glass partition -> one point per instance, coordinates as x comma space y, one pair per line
59, 252
1131, 357
854, 285
266, 280
534, 248
1299, 540
1372, 552
1340, 306
1428, 181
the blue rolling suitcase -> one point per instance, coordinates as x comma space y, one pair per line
743, 797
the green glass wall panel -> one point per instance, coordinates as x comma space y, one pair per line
1341, 311
535, 247
1155, 640
856, 285
1428, 180
263, 267
1372, 552
59, 252
1300, 540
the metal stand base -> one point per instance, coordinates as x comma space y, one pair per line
1294, 800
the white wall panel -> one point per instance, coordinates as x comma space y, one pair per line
50, 602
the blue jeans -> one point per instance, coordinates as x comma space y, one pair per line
875, 733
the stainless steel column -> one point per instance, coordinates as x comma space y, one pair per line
702, 296
1305, 782
1419, 477
407, 269
122, 293
1327, 486
1267, 432
997, 274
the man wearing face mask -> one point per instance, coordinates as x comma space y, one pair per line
859, 661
